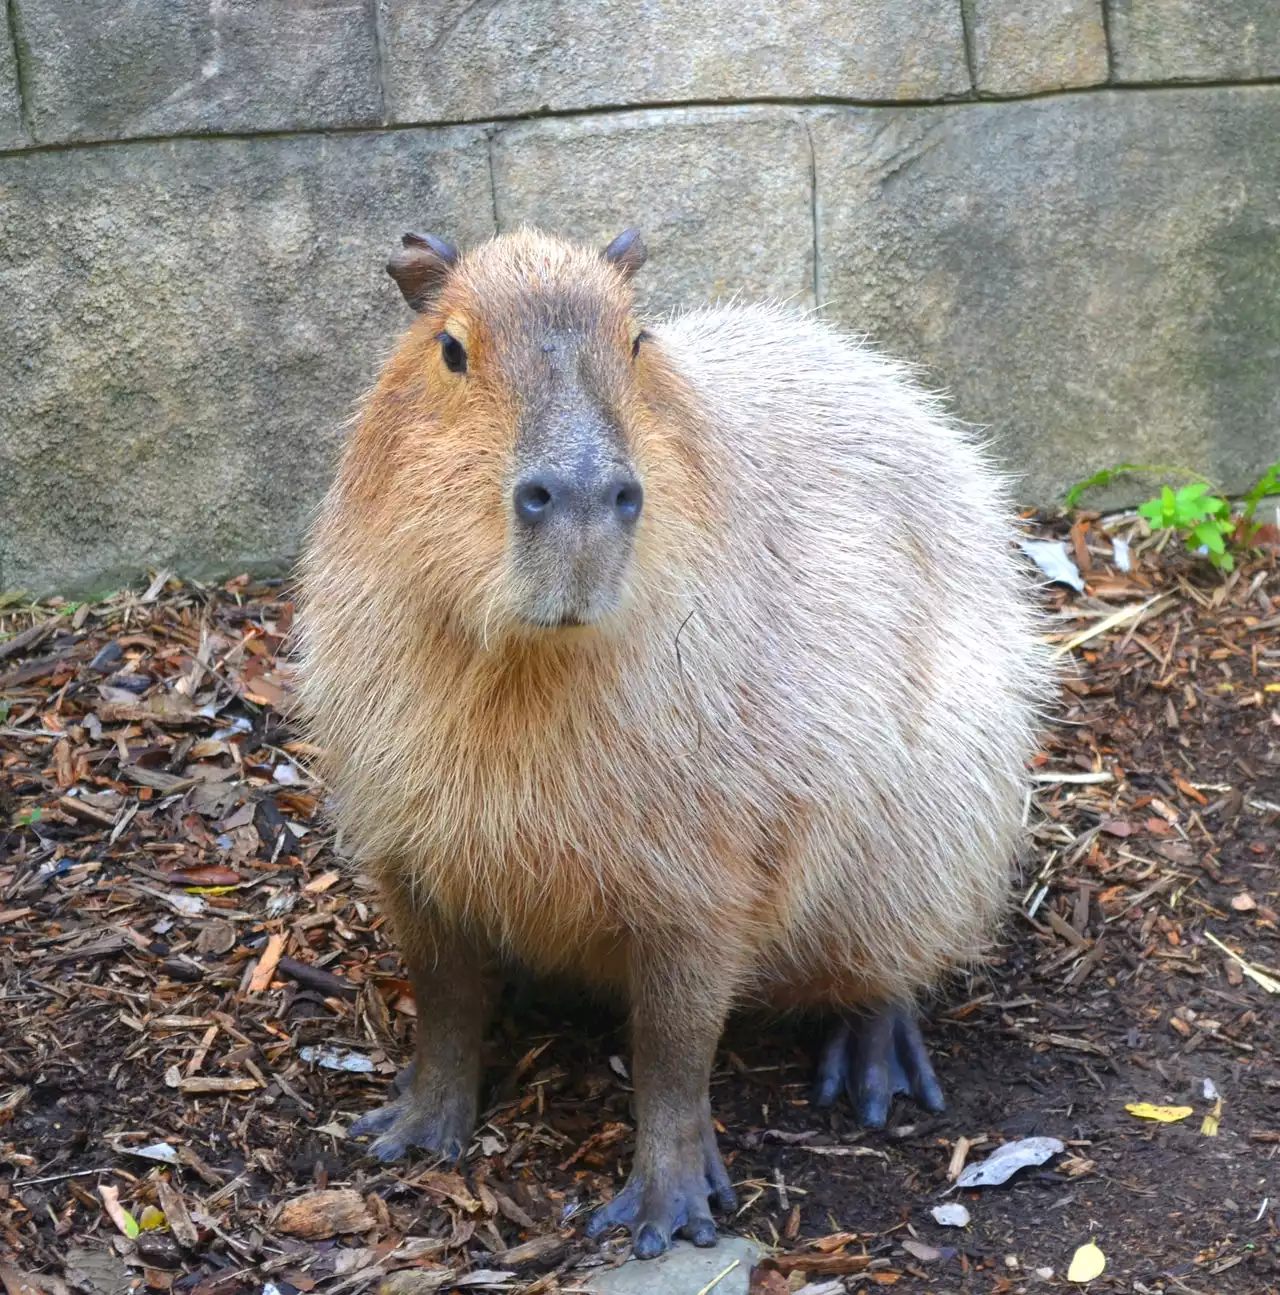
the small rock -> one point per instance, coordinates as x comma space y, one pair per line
684, 1270
1244, 902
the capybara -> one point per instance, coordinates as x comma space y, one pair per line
694, 659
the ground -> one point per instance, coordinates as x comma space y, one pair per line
178, 937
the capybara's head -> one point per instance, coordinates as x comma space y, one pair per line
518, 424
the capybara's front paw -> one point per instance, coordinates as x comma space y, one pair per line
673, 1195
441, 1126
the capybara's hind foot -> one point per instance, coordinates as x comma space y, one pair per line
873, 1058
407, 1121
675, 1195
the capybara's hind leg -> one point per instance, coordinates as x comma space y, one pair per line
873, 1057
435, 1108
677, 1016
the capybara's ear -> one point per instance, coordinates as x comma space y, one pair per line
420, 265
627, 253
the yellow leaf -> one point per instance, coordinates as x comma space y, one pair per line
1165, 1114
1210, 1126
150, 1219
1086, 1264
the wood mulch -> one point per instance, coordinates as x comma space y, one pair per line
198, 995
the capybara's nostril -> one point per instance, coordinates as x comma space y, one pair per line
537, 497
626, 498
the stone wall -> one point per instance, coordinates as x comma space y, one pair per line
1068, 211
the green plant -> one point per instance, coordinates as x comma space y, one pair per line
1108, 475
1206, 517
1267, 484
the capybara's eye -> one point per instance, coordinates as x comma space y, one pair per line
641, 336
455, 355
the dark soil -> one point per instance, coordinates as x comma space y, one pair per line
150, 879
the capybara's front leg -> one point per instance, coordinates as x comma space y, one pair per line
436, 1107
677, 1015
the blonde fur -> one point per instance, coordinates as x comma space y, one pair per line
802, 735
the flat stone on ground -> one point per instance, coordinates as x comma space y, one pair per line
683, 1270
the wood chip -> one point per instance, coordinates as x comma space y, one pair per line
176, 1215
267, 966
321, 1215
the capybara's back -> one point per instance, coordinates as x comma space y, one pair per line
695, 659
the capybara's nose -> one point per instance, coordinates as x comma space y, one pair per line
540, 497
624, 497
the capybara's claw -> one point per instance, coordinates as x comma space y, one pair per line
404, 1123
873, 1058
675, 1198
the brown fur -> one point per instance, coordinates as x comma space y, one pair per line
817, 813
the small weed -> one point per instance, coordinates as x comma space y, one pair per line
1202, 517
1206, 518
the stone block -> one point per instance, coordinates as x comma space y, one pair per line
450, 60
723, 196
1031, 46
1189, 40
1094, 277
184, 330
167, 67
12, 132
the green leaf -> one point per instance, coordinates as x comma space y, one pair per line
1153, 511
1267, 484
1187, 495
28, 816
1210, 535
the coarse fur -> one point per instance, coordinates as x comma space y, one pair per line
796, 728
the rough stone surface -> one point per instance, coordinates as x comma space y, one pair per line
459, 60
185, 327
1191, 40
1095, 277
683, 1270
164, 67
1029, 46
722, 196
12, 133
